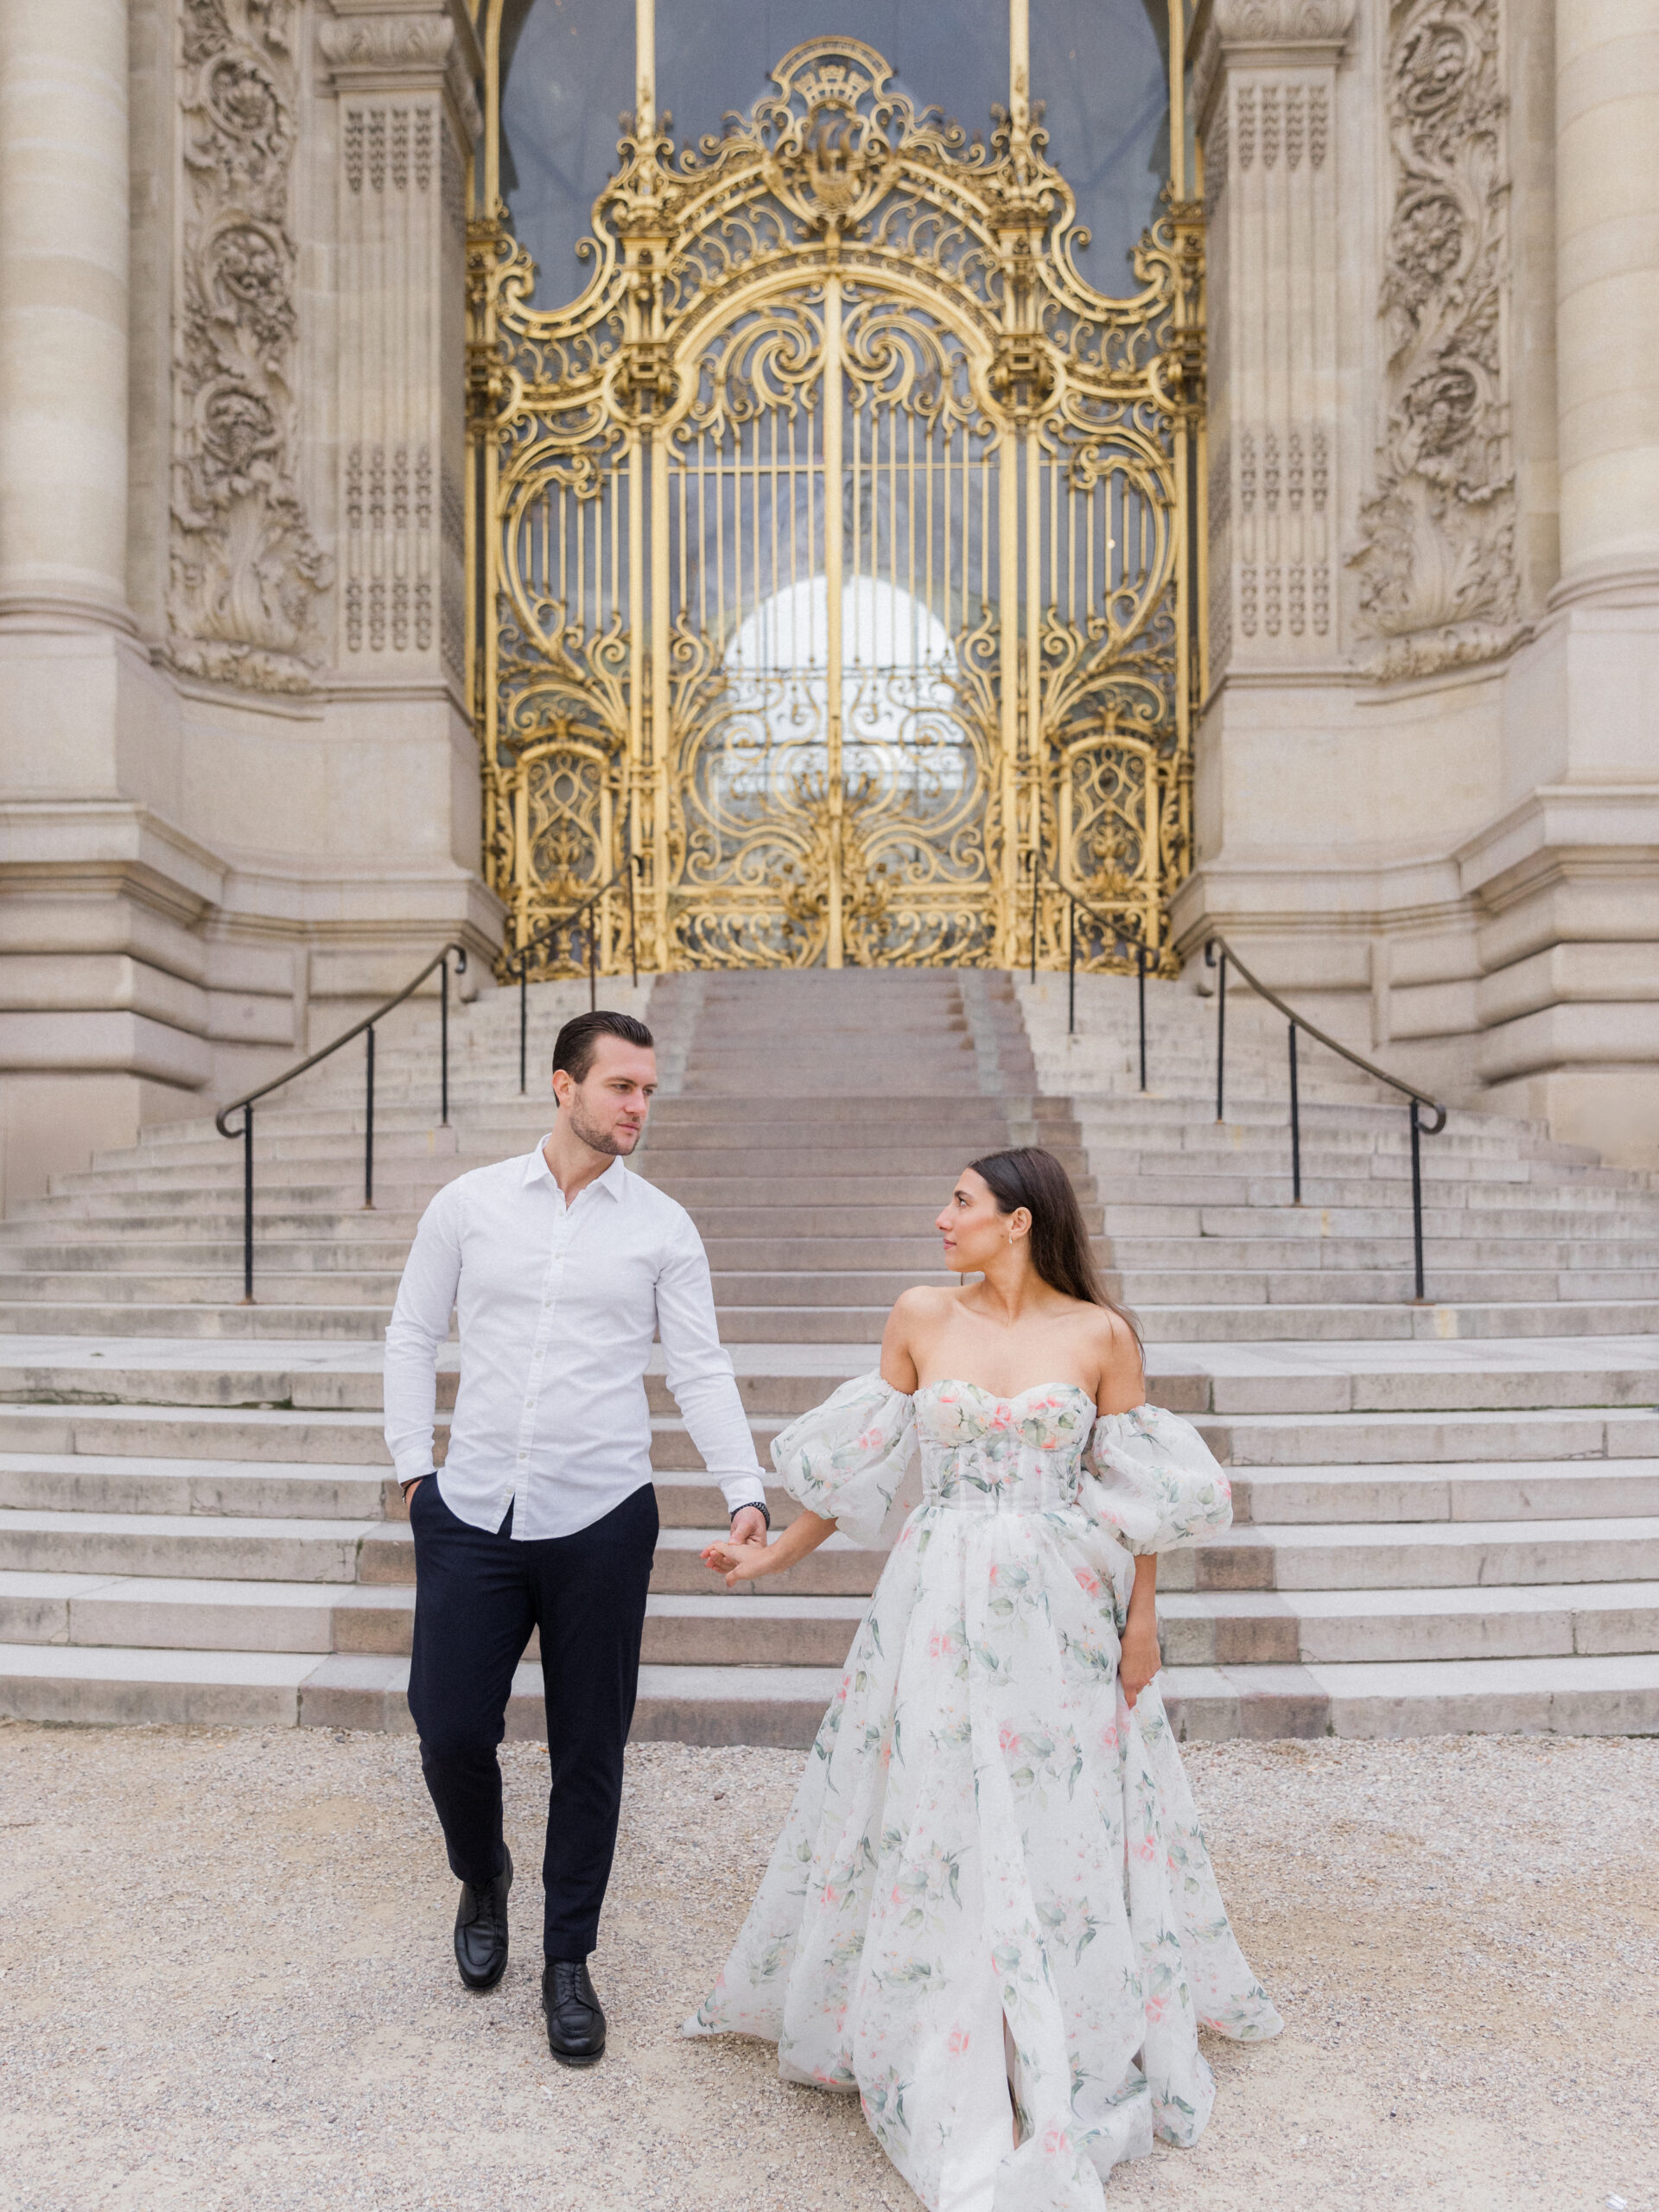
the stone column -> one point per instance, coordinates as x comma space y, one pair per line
1607, 320
1566, 879
407, 118
63, 310
1266, 89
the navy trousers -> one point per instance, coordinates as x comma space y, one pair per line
478, 1594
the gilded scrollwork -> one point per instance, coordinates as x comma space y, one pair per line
247, 571
838, 519
1437, 585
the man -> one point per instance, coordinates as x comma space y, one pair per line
562, 1266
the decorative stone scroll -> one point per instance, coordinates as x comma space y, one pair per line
245, 569
1437, 585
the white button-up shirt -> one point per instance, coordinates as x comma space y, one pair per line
557, 1305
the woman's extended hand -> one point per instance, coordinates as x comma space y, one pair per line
1140, 1658
740, 1562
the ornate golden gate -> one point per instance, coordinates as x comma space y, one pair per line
834, 570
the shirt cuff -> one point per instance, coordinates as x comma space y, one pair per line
743, 1490
414, 1460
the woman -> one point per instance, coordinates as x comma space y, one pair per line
991, 1891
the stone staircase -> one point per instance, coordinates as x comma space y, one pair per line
1448, 1514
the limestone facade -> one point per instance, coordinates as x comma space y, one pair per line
1427, 794
239, 788
238, 796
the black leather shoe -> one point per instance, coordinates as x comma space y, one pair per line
575, 2019
481, 1930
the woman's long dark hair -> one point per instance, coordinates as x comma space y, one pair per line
1027, 1176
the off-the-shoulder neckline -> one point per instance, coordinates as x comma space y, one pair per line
996, 1397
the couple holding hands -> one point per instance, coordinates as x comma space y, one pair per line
990, 1911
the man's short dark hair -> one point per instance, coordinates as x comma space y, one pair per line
578, 1041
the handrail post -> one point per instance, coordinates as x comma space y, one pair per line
1211, 947
1295, 1128
524, 1010
443, 1046
368, 1124
247, 1205
592, 955
1071, 968
1417, 1203
1140, 992
1036, 895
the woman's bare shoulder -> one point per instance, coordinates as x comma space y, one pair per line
1117, 1349
916, 1314
922, 1304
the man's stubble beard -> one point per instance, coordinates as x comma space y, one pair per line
601, 1141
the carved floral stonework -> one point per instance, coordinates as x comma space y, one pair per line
245, 569
1438, 586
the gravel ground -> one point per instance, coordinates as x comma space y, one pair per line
227, 1982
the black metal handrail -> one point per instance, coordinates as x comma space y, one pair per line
1217, 954
1116, 928
634, 864
245, 1104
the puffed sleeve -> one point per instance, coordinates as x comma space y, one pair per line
1156, 1480
847, 1458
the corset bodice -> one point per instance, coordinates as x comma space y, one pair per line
985, 1454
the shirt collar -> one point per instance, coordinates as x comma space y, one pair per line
614, 1180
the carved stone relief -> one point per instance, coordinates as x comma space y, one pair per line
1437, 585
390, 591
245, 569
1283, 531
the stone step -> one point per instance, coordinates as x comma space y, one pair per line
153, 1613
1135, 1254
56, 1379
783, 1706
1255, 1323
1327, 1322
242, 1549
875, 1289
323, 1324
265, 1489
1521, 1490
1211, 1628
1340, 1627
1281, 1441
1349, 1555
1589, 1695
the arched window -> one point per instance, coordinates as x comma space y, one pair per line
901, 729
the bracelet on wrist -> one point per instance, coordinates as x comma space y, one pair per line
760, 1506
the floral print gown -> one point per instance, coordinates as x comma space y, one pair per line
985, 1832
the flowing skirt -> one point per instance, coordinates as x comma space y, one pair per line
987, 1840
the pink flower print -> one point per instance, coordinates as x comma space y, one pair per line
956, 2042
1088, 1583
1056, 2141
1146, 1849
870, 1441
1006, 1739
1109, 1738
936, 1645
1156, 2007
